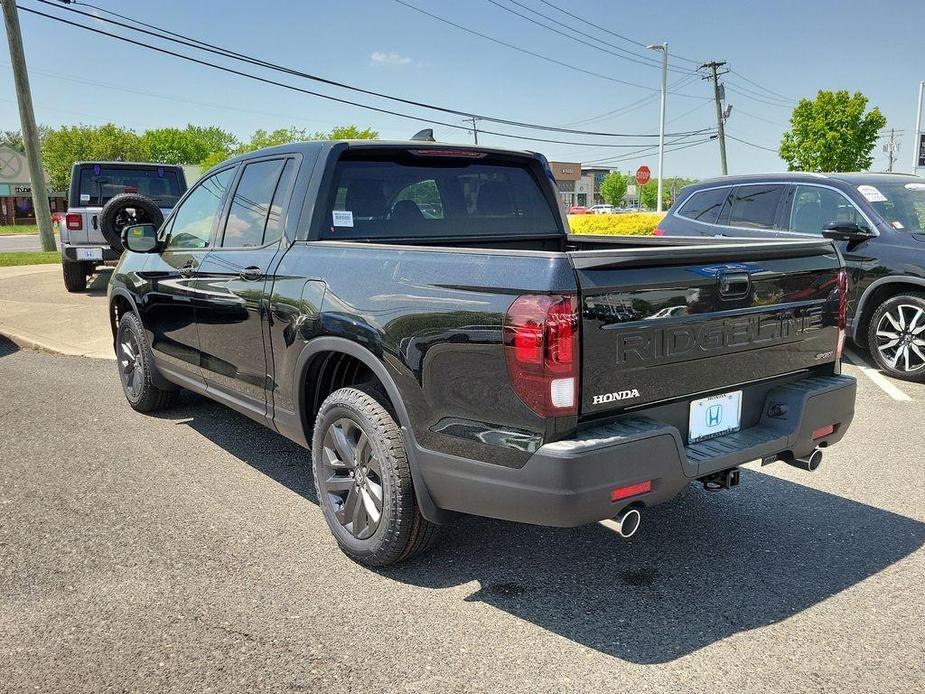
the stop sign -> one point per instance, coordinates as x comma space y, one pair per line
643, 175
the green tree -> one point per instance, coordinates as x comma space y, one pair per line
67, 144
261, 138
831, 133
613, 188
13, 138
648, 194
189, 145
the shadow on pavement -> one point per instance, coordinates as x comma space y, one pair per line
7, 347
99, 282
701, 569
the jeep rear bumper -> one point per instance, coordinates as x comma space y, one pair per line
69, 253
569, 482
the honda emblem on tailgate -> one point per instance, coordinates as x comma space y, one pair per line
619, 395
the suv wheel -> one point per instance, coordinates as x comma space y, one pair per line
897, 336
136, 367
364, 482
75, 276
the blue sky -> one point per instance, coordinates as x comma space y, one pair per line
789, 47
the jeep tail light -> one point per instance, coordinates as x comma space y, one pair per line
658, 232
541, 349
842, 311
74, 222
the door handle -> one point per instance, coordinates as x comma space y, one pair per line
251, 273
188, 269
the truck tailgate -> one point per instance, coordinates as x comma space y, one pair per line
665, 323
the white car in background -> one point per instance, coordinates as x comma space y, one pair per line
602, 209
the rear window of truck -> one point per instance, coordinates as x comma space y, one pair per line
96, 184
436, 197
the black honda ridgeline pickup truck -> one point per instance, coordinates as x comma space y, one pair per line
419, 317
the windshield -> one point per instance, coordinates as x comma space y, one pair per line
902, 205
97, 184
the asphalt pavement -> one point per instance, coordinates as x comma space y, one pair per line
19, 242
186, 552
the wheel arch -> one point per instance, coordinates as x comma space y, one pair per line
120, 302
875, 294
321, 348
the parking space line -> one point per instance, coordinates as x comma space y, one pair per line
878, 378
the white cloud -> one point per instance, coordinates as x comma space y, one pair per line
383, 58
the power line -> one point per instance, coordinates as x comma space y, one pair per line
650, 150
752, 115
763, 88
198, 44
750, 94
265, 80
529, 52
612, 33
646, 150
623, 53
750, 144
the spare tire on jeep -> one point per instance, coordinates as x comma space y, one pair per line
124, 210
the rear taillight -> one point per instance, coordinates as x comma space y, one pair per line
658, 232
842, 311
541, 348
74, 222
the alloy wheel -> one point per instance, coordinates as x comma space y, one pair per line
901, 337
351, 477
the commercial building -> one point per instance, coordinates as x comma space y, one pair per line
16, 190
582, 185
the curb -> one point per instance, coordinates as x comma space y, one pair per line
28, 343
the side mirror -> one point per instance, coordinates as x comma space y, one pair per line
140, 238
846, 231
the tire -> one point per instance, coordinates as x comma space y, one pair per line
123, 210
896, 336
136, 368
75, 276
357, 449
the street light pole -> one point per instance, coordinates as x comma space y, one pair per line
917, 139
30, 133
663, 47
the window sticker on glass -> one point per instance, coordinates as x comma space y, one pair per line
898, 225
871, 194
342, 218
84, 198
915, 186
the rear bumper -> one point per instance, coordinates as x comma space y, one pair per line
568, 483
69, 252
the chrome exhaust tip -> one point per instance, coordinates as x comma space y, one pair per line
627, 523
811, 463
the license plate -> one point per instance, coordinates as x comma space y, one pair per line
714, 416
89, 254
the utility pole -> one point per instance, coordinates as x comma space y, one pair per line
891, 148
30, 133
720, 120
475, 129
663, 47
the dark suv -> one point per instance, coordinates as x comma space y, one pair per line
878, 221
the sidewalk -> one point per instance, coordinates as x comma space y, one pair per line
36, 311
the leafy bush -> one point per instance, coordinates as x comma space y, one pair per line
629, 224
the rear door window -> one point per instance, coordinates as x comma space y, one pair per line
436, 197
250, 205
705, 205
97, 183
755, 206
815, 207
